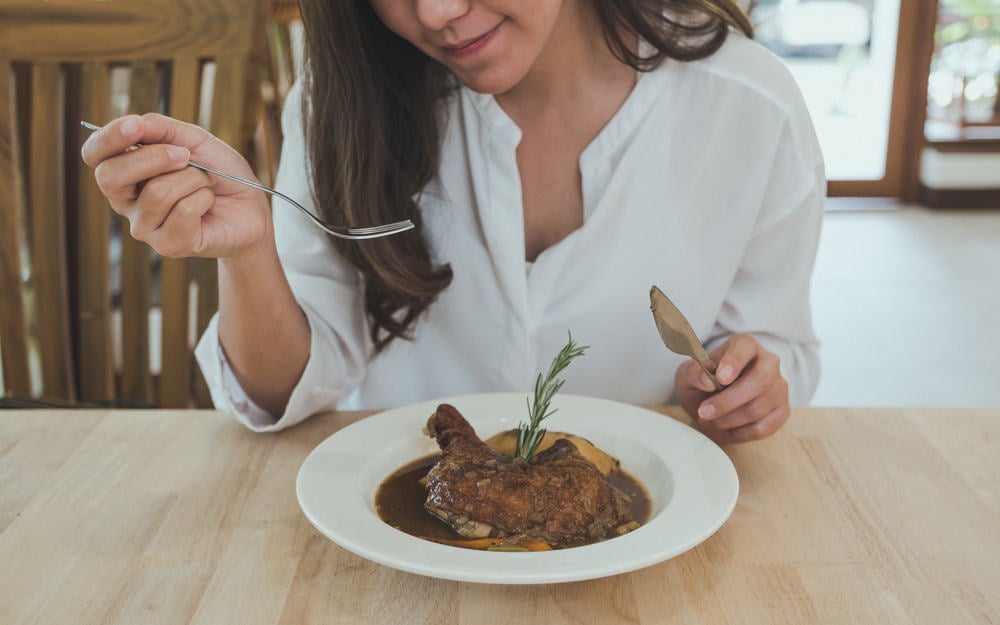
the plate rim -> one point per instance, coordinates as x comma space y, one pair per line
531, 569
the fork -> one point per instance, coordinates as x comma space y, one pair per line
367, 232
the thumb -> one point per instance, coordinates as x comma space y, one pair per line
123, 133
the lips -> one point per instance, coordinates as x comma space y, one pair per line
471, 46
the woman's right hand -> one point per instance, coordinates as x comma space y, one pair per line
178, 210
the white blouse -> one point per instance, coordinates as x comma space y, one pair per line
708, 183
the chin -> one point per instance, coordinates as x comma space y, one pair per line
491, 82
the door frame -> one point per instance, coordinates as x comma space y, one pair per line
908, 109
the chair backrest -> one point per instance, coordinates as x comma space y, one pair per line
63, 333
284, 63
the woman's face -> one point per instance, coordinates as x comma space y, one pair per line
490, 45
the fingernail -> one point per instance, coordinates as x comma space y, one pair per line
177, 153
724, 374
130, 127
706, 411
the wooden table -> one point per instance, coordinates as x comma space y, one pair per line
145, 517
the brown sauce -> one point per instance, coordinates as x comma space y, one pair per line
400, 501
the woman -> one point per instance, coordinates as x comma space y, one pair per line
558, 156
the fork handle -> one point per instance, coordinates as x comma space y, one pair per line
222, 174
212, 170
343, 233
249, 183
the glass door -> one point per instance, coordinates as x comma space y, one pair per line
856, 62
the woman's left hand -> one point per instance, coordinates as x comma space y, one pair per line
754, 402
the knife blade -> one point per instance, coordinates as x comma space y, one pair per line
677, 333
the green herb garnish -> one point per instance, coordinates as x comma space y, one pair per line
530, 434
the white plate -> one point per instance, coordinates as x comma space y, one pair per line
691, 482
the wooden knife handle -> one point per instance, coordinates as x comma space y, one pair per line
711, 376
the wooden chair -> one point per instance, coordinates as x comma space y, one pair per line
283, 53
58, 61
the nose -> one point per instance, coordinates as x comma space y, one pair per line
435, 14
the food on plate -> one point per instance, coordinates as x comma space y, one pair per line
506, 443
558, 498
522, 490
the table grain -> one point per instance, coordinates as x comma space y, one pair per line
847, 515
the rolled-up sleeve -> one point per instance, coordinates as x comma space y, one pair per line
328, 291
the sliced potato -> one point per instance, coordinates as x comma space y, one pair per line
506, 443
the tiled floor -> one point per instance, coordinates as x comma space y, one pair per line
907, 305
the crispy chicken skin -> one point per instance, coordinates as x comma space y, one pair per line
560, 497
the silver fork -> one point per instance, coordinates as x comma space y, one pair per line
368, 232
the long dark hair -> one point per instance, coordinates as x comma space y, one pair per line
371, 111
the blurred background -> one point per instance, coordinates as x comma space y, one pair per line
907, 285
894, 88
903, 94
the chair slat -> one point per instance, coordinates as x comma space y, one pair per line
45, 45
175, 376
13, 329
57, 30
230, 99
48, 231
284, 11
208, 303
95, 358
136, 290
281, 60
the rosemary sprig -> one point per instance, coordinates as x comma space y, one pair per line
530, 434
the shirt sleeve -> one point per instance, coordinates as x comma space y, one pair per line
770, 293
328, 290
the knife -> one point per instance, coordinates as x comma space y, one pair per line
677, 333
